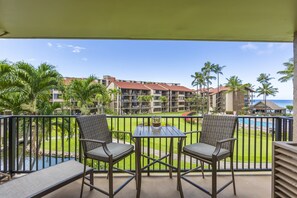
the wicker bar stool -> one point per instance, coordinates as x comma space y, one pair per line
97, 144
216, 143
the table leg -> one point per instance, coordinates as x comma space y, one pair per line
179, 186
170, 157
138, 165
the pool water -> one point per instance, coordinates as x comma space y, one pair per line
47, 162
255, 121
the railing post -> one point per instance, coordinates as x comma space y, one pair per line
12, 146
278, 129
290, 129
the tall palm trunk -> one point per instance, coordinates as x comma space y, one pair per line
264, 97
197, 100
218, 98
25, 144
208, 98
203, 100
236, 99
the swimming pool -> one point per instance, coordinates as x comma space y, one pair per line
256, 121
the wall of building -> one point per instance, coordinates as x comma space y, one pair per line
229, 101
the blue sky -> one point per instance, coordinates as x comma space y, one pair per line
162, 61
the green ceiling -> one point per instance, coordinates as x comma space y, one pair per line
231, 20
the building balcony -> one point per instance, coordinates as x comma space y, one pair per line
252, 153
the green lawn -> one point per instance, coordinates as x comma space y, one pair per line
252, 146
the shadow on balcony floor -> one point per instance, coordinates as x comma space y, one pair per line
251, 186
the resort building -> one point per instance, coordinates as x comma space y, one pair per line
177, 97
136, 97
222, 100
149, 97
132, 98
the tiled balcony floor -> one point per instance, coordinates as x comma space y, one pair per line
247, 186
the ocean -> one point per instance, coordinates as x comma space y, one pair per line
281, 103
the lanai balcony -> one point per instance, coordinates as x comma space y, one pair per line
31, 143
265, 20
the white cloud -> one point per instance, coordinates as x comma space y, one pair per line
77, 49
84, 59
249, 46
73, 48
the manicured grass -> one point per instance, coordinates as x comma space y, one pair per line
251, 146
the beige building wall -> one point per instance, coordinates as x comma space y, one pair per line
229, 101
214, 102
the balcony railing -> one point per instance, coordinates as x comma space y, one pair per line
30, 143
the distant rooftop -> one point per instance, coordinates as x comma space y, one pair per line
129, 85
140, 85
269, 104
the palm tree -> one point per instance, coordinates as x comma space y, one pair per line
288, 73
7, 76
102, 99
199, 81
266, 90
147, 99
217, 69
12, 101
264, 78
36, 83
32, 86
206, 70
67, 98
164, 100
84, 91
188, 102
140, 100
235, 85
98, 98
114, 93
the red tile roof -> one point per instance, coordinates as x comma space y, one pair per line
176, 88
129, 85
216, 90
156, 87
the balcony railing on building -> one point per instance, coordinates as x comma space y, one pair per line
30, 143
